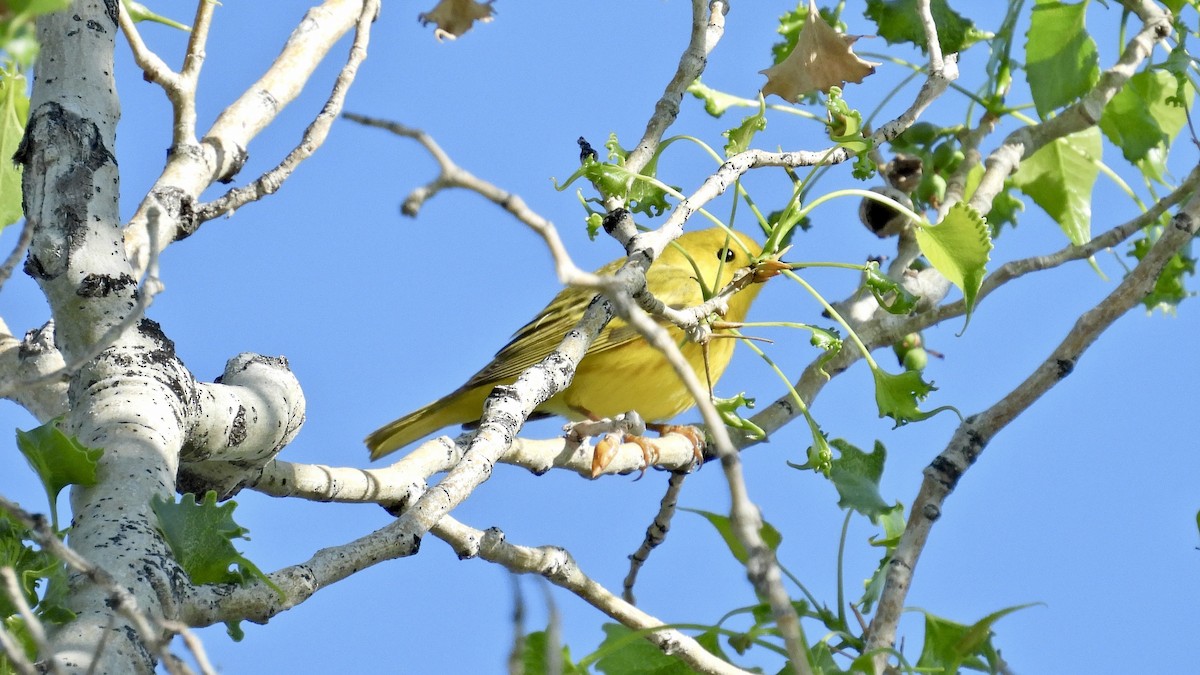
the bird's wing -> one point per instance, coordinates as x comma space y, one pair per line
540, 336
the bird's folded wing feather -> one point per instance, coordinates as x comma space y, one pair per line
540, 336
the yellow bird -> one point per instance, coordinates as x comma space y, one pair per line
620, 372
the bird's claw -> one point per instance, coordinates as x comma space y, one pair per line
606, 450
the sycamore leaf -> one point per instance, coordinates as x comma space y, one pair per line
455, 17
1144, 115
856, 476
1059, 178
950, 646
898, 396
959, 247
1061, 60
59, 460
899, 21
14, 111
201, 537
770, 536
822, 59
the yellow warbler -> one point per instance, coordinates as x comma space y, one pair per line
620, 372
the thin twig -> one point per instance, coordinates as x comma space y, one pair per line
656, 533
314, 136
33, 625
149, 287
18, 252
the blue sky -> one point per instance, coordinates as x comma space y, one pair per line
1085, 504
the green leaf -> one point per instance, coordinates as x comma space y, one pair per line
1061, 60
827, 339
845, 126
139, 12
31, 567
1140, 118
17, 629
1169, 288
14, 111
59, 460
819, 454
201, 537
37, 7
856, 475
959, 247
893, 524
898, 21
614, 180
898, 396
728, 409
534, 657
887, 291
715, 102
771, 536
741, 135
628, 653
1059, 178
950, 646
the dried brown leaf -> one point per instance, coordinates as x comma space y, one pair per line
455, 17
822, 59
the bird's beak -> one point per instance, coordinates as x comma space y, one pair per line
765, 269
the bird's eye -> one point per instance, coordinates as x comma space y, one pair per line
726, 254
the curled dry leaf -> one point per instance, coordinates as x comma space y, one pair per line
822, 59
455, 17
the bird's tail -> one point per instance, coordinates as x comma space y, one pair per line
457, 408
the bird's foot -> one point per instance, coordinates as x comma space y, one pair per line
606, 450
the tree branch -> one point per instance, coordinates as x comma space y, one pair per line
973, 435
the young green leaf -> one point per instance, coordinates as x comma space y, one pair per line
1140, 118
893, 524
139, 12
899, 395
828, 340
14, 111
899, 21
1059, 178
741, 135
728, 409
959, 247
1061, 60
624, 651
950, 645
535, 658
59, 460
715, 102
771, 536
890, 295
856, 475
614, 180
846, 128
32, 567
1169, 288
201, 537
